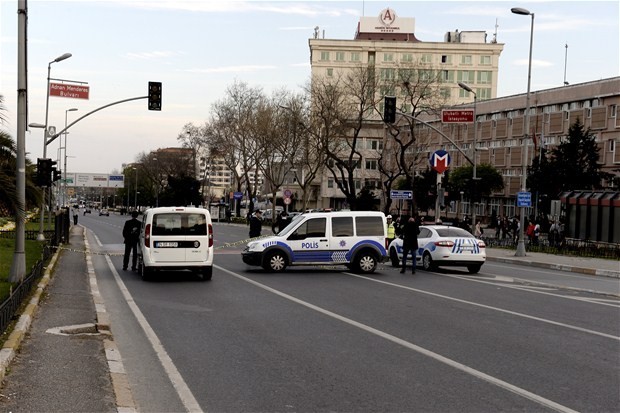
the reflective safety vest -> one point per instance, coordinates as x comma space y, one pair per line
391, 231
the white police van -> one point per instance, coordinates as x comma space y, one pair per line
352, 238
176, 238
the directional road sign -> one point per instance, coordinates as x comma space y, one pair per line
524, 199
394, 194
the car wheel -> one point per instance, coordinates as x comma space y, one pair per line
275, 261
474, 268
145, 273
366, 262
394, 258
206, 274
427, 262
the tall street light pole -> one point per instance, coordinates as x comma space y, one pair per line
135, 199
521, 245
475, 162
41, 236
64, 178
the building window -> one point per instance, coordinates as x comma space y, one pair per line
406, 58
613, 111
447, 76
426, 58
485, 60
340, 56
612, 145
388, 74
371, 164
325, 56
483, 93
465, 76
330, 182
355, 57
330, 72
485, 77
375, 144
388, 57
446, 58
445, 92
466, 59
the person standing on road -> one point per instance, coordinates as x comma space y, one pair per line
391, 231
131, 233
256, 224
75, 216
410, 233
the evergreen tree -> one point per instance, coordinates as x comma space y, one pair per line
574, 163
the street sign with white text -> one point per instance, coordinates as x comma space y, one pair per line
394, 194
457, 116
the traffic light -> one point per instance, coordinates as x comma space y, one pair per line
154, 95
44, 171
389, 109
56, 175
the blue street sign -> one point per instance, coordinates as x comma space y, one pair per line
394, 194
238, 195
524, 199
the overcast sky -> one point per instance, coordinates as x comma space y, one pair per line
198, 48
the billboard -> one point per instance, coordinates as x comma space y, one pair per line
88, 180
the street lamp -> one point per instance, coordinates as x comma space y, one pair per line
157, 182
475, 162
521, 245
135, 199
64, 194
41, 236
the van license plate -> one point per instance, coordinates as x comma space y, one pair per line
162, 244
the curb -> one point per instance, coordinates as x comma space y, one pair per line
581, 270
12, 344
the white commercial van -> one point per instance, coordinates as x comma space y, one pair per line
176, 238
352, 238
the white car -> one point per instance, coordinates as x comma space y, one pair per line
442, 245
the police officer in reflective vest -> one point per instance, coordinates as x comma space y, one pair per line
391, 231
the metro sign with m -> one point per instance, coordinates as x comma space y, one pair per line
440, 161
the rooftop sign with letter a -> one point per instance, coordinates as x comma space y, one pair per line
440, 161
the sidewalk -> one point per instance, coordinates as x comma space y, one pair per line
68, 361
591, 266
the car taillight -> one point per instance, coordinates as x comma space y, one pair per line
481, 244
448, 244
147, 236
210, 235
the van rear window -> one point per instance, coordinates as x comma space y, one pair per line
179, 224
369, 226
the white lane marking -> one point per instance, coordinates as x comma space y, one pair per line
488, 307
529, 289
442, 359
185, 394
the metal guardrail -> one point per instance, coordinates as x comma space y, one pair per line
567, 246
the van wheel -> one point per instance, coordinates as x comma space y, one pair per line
206, 274
394, 258
145, 273
275, 261
366, 262
427, 262
474, 268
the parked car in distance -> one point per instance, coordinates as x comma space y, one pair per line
443, 245
104, 212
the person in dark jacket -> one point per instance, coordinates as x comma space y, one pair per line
256, 224
131, 233
280, 223
410, 232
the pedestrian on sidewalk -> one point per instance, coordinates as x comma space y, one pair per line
75, 216
131, 234
410, 233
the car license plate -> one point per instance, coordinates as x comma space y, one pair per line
162, 244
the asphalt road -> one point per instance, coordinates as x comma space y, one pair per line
324, 339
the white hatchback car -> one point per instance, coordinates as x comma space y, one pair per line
176, 238
442, 245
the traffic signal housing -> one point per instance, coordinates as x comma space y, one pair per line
56, 175
389, 109
44, 171
154, 96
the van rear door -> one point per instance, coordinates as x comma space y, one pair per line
179, 237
